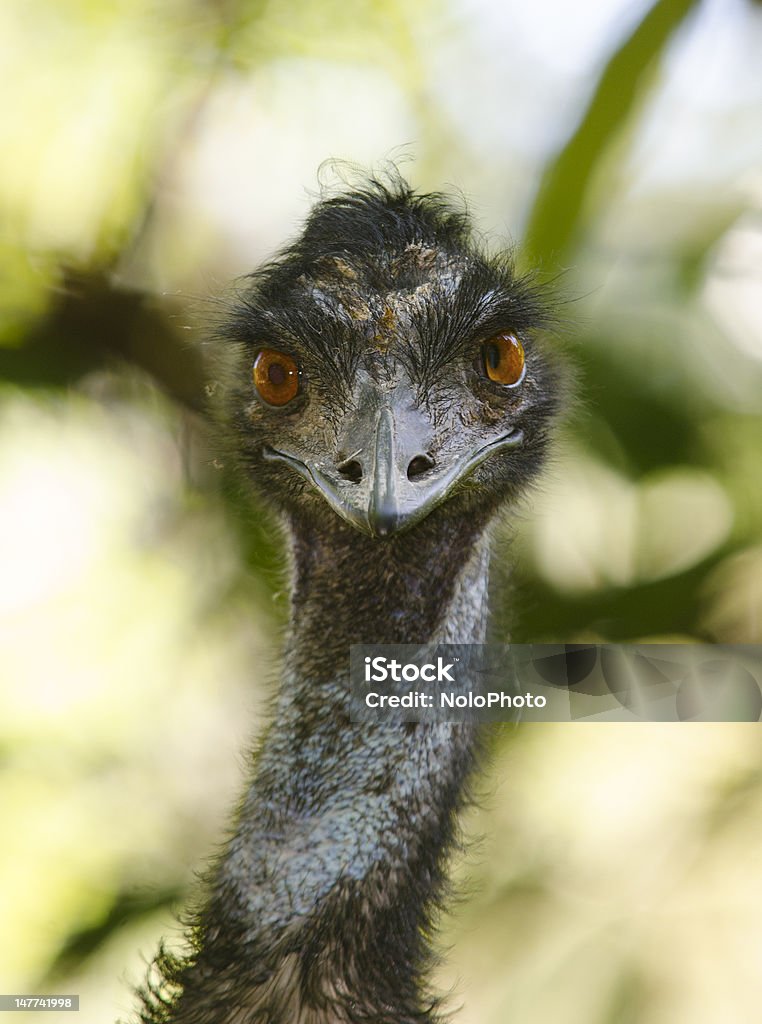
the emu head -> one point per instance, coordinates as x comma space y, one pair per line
389, 368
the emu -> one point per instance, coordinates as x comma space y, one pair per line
390, 397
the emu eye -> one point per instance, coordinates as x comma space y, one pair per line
502, 359
276, 376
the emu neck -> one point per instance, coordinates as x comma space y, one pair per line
418, 587
322, 900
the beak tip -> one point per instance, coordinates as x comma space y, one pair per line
384, 520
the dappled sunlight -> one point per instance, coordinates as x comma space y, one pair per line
733, 288
122, 725
614, 853
733, 596
595, 528
585, 539
683, 516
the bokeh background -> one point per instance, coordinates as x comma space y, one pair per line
149, 153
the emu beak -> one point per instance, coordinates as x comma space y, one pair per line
392, 480
391, 499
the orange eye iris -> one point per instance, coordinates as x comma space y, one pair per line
276, 376
503, 359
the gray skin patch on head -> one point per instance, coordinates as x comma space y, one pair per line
419, 255
386, 329
335, 266
384, 316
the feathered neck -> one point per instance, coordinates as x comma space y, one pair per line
322, 901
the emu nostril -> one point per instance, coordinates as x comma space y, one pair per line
351, 470
418, 466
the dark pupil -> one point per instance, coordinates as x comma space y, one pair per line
493, 356
276, 374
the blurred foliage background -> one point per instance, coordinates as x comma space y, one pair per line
151, 153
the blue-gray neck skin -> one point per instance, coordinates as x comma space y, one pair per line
322, 903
